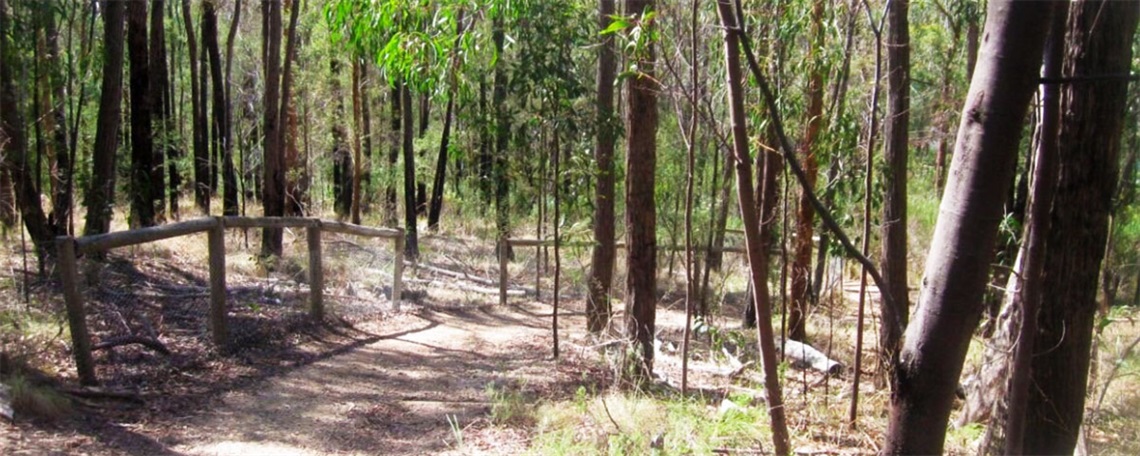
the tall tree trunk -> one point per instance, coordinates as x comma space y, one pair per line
436, 205
230, 176
755, 245
895, 144
101, 194
13, 144
220, 124
357, 127
500, 176
394, 140
61, 197
366, 139
411, 246
1028, 295
142, 143
950, 304
1098, 43
598, 310
640, 204
273, 183
160, 108
805, 217
198, 116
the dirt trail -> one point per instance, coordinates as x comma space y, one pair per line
391, 396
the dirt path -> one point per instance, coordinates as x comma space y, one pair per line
394, 395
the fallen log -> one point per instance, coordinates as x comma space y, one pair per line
147, 342
805, 356
92, 392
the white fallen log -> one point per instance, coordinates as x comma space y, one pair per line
805, 356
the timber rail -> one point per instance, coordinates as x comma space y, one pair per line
70, 248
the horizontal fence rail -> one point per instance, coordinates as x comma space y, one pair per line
70, 249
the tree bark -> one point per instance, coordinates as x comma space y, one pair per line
220, 124
950, 304
198, 117
273, 183
1098, 42
411, 244
640, 204
394, 141
357, 126
101, 194
160, 108
61, 173
895, 153
142, 143
805, 217
753, 239
598, 311
436, 205
229, 173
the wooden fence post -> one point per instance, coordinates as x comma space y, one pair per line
76, 316
398, 271
316, 273
217, 245
504, 244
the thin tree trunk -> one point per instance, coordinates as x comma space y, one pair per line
198, 117
394, 138
61, 163
754, 244
641, 207
161, 108
436, 206
896, 139
1029, 294
142, 143
411, 245
937, 339
220, 124
357, 121
230, 175
101, 194
273, 183
602, 255
1099, 41
805, 218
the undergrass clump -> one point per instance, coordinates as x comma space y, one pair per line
638, 423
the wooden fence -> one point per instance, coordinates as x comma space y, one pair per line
70, 248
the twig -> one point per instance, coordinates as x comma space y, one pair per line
611, 417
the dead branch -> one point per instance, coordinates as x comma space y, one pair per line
147, 342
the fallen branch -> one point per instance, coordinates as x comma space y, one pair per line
147, 342
459, 275
91, 392
806, 356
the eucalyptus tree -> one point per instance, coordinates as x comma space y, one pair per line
640, 184
199, 130
101, 193
219, 120
162, 106
896, 139
142, 143
813, 121
950, 303
598, 310
1098, 43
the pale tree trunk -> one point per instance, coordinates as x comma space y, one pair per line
1098, 42
101, 193
950, 303
805, 218
755, 245
895, 153
640, 204
602, 256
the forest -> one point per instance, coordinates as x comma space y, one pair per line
712, 227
